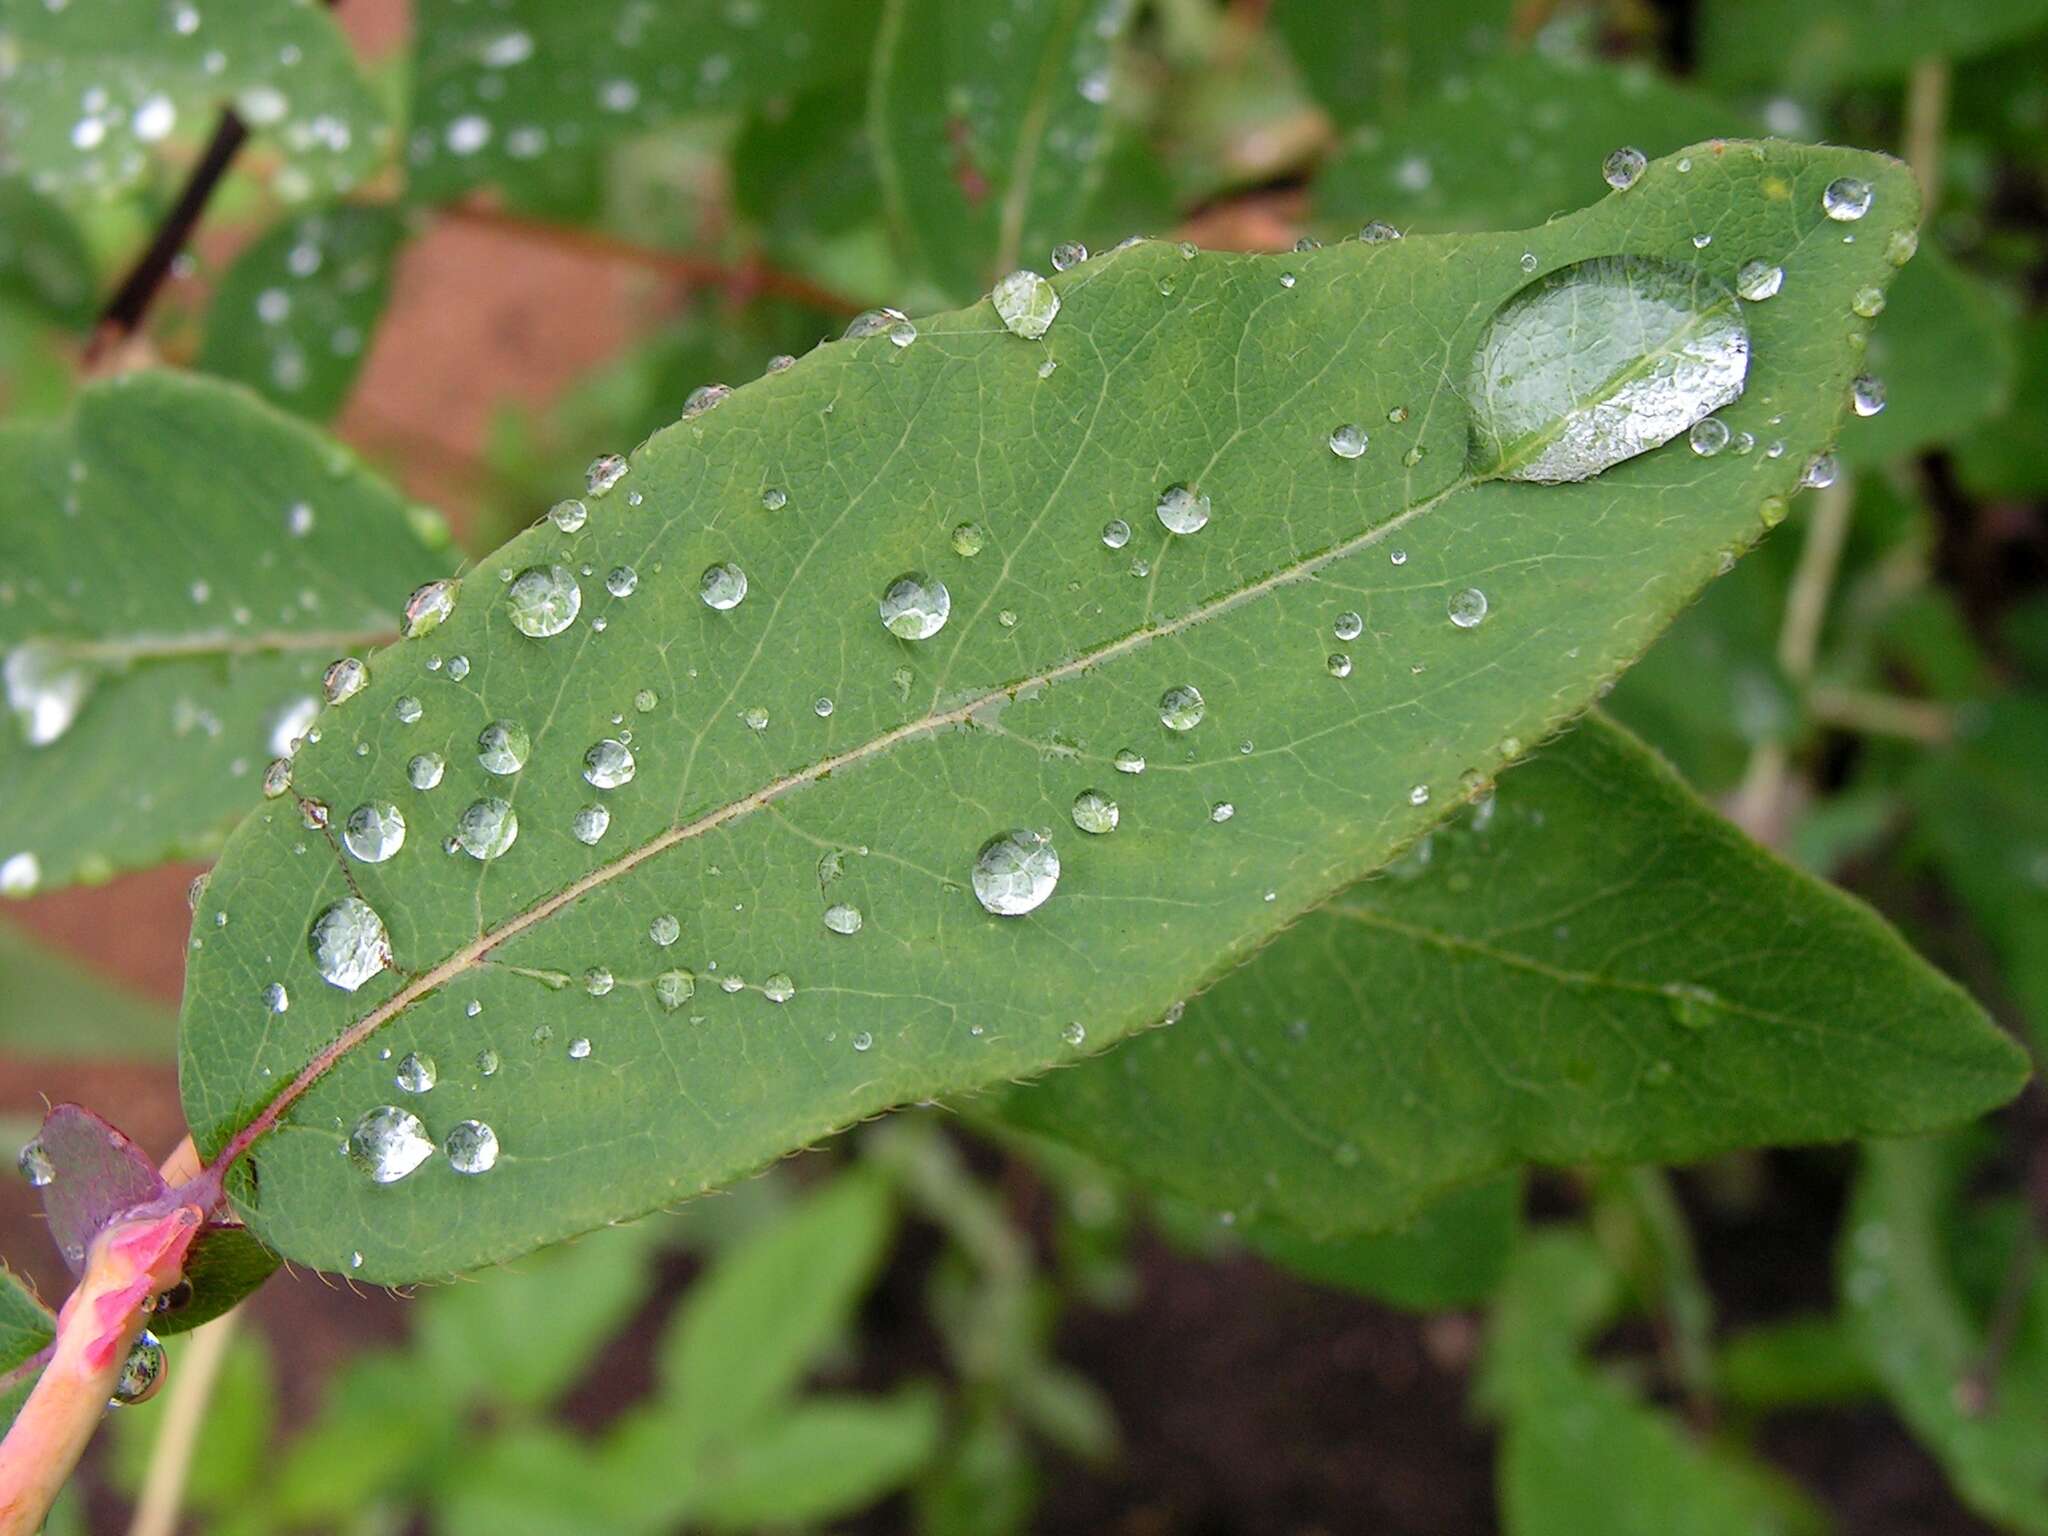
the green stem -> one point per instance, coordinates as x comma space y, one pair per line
1926, 118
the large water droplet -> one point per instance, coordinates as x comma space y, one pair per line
141, 1373
1181, 707
674, 988
344, 679
502, 746
35, 1165
1095, 812
427, 609
1183, 510
915, 606
417, 1073
1599, 362
843, 917
425, 770
609, 764
1348, 441
722, 587
472, 1147
1846, 199
543, 600
1026, 304
374, 831
1015, 872
1759, 280
388, 1143
590, 824
1467, 607
1622, 167
348, 943
487, 828
44, 691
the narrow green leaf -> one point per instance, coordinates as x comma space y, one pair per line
824, 1458
1927, 1343
640, 1061
990, 135
27, 1327
1801, 1362
44, 263
1592, 968
293, 317
534, 1481
499, 91
180, 563
1376, 63
1819, 44
758, 1319
94, 90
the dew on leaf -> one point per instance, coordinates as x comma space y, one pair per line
703, 398
568, 515
502, 747
1759, 280
1378, 232
778, 988
142, 1372
416, 1073
487, 828
621, 581
1338, 664
1349, 626
472, 1147
722, 587
605, 471
425, 770
1068, 254
1026, 304
1846, 199
665, 929
374, 831
277, 777
1094, 812
1467, 607
1348, 441
1181, 707
344, 679
543, 600
1116, 533
406, 709
1419, 795
1709, 435
1015, 872
1183, 510
968, 540
1222, 811
1868, 301
863, 1041
275, 998
598, 981
388, 1143
1622, 167
1866, 395
579, 1048
609, 764
843, 917
1128, 761
872, 322
674, 988
348, 943
915, 606
1820, 472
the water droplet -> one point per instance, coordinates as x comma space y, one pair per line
374, 831
416, 1073
1902, 245
1222, 811
406, 709
1128, 761
822, 707
1348, 441
755, 719
579, 1048
1599, 362
568, 515
843, 917
1772, 510
645, 700
1070, 253
1622, 167
1183, 510
915, 606
1116, 533
1467, 607
1846, 199
425, 770
1709, 436
20, 874
722, 587
597, 981
1026, 303
502, 747
487, 1063
1820, 472
1349, 626
1419, 795
1181, 707
1759, 280
703, 398
388, 1143
609, 764
1868, 302
344, 679
1095, 813
902, 333
275, 998
605, 471
141, 1373
487, 828
778, 988
968, 540
543, 600
458, 668
1529, 262
863, 1041
46, 692
1073, 1032
1866, 395
348, 943
1015, 872
1339, 664
665, 929
621, 580
35, 1165
472, 1147
1379, 232
277, 777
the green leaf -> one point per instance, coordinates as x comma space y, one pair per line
756, 1322
990, 135
534, 1481
44, 263
293, 317
93, 90
2004, 458
1943, 349
1925, 1340
1593, 968
1819, 44
1798, 1363
1569, 1428
164, 629
27, 1327
1375, 63
52, 1008
823, 1458
823, 483
499, 91
1982, 820
1451, 167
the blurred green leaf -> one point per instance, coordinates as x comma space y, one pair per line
989, 132
984, 1484
292, 318
27, 1327
1452, 1254
167, 612
1817, 44
1943, 350
44, 264
1591, 968
1926, 1342
383, 1432
1378, 62
1798, 1363
756, 1322
822, 1458
534, 1481
51, 1006
1580, 1454
2005, 457
94, 90
234, 1432
500, 91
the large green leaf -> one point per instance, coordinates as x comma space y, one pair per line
93, 90
631, 1072
51, 1007
1375, 62
44, 264
178, 562
500, 91
990, 134
293, 317
1591, 967
1818, 44
1973, 1387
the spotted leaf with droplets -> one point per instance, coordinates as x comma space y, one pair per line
1064, 664
178, 563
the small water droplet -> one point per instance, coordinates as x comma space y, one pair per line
1222, 811
344, 679
755, 719
665, 929
277, 777
778, 988
142, 1372
703, 398
1349, 626
1902, 245
1623, 167
35, 1165
1467, 607
416, 1073
275, 998
1015, 872
472, 1147
1772, 510
425, 770
579, 1048
1181, 707
723, 587
487, 1062
348, 943
1419, 795
1348, 441
843, 917
597, 981
388, 1143
609, 764
502, 747
968, 540
1866, 395
1338, 663
543, 600
568, 515
915, 606
863, 1040
1183, 510
1820, 472
1759, 280
427, 609
487, 828
674, 988
1073, 1032
1846, 199
1708, 436
822, 707
1379, 232
1128, 761
1868, 302
605, 471
1116, 533
374, 831
1095, 813
621, 580
1026, 304
1069, 253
